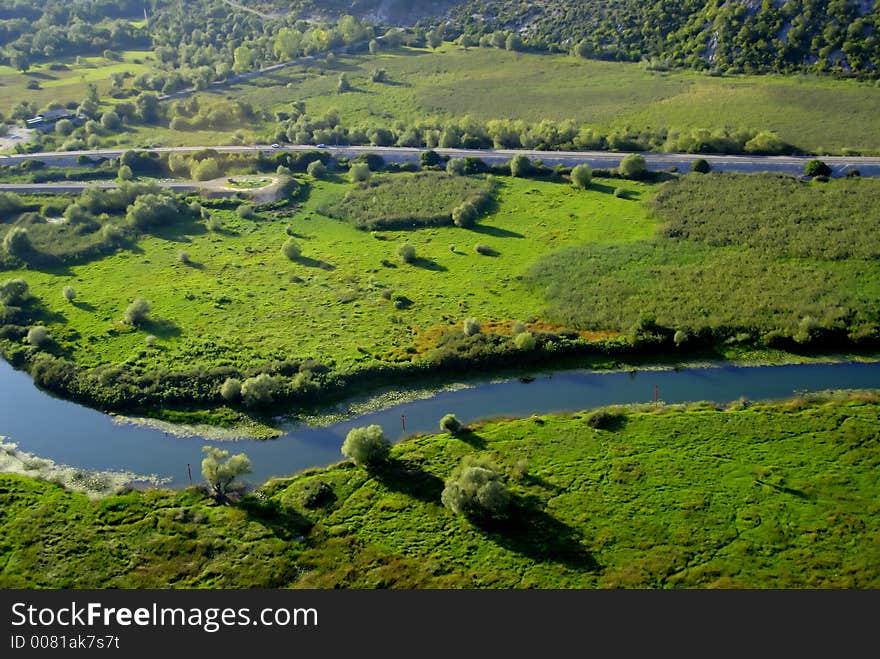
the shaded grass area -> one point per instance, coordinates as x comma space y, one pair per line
780, 495
738, 253
408, 200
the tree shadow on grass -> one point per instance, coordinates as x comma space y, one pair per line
313, 263
409, 479
470, 437
161, 328
83, 306
283, 521
495, 232
428, 264
534, 533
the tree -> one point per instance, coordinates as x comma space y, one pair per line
450, 423
374, 47
17, 241
38, 336
68, 293
471, 326
701, 166
230, 390
125, 173
430, 158
291, 249
206, 170
259, 390
581, 176
457, 166
150, 210
524, 341
378, 75
63, 127
136, 312
147, 108
243, 59
220, 471
513, 42
13, 291
245, 211
465, 215
817, 168
366, 446
406, 252
10, 204
359, 172
633, 166
316, 169
110, 120
20, 61
434, 38
343, 85
476, 492
520, 165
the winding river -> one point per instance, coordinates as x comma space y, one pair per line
71, 434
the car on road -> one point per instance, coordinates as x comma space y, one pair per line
276, 146
322, 146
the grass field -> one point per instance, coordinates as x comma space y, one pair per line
739, 253
240, 301
778, 495
810, 112
67, 85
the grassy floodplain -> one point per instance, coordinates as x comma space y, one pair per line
485, 84
780, 495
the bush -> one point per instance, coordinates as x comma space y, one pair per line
524, 341
183, 257
152, 210
456, 167
125, 173
603, 419
316, 169
471, 326
581, 176
817, 168
518, 327
366, 447
68, 293
620, 193
291, 249
476, 492
359, 172
220, 471
465, 215
485, 250
136, 312
13, 291
17, 241
406, 252
701, 166
633, 166
205, 170
520, 165
450, 423
245, 211
38, 336
10, 204
230, 390
259, 390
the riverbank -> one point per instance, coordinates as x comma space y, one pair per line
770, 495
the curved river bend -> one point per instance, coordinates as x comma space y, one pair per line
71, 434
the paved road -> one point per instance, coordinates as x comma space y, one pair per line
599, 159
79, 186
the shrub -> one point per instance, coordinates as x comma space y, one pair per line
245, 211
520, 165
465, 215
518, 327
524, 341
10, 203
430, 158
603, 419
230, 390
367, 446
406, 252
316, 169
359, 172
450, 423
205, 170
220, 470
476, 492
680, 338
471, 326
38, 336
485, 250
456, 167
136, 312
150, 340
13, 291
291, 249
259, 390
125, 173
620, 193
633, 166
17, 241
152, 210
183, 257
701, 166
68, 293
581, 176
817, 168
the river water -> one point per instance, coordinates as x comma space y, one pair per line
71, 434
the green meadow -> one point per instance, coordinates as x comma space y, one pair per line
781, 495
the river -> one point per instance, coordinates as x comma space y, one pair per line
71, 434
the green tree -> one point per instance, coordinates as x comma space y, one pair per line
220, 471
450, 423
464, 215
343, 85
359, 172
125, 173
13, 291
472, 326
581, 176
375, 47
291, 249
366, 446
524, 341
701, 166
136, 312
38, 336
817, 168
316, 169
520, 165
259, 390
406, 253
633, 166
230, 390
68, 293
17, 241
476, 491
243, 59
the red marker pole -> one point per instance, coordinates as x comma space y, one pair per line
403, 422
189, 472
